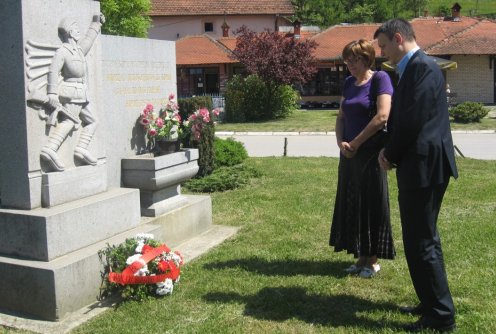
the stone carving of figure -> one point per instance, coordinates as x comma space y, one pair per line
68, 98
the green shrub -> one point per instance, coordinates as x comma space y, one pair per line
206, 151
222, 179
468, 112
248, 99
229, 152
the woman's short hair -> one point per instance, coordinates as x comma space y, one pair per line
360, 48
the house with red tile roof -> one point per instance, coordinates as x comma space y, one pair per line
470, 42
174, 19
204, 61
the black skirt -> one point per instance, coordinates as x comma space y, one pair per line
361, 222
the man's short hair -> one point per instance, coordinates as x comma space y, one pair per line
393, 26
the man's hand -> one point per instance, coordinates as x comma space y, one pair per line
383, 162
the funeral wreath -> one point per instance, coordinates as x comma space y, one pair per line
140, 267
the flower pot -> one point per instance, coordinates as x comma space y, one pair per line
166, 146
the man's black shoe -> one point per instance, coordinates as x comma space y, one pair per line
413, 310
424, 323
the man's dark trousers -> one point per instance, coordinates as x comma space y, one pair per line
419, 209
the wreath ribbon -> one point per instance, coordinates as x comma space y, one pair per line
127, 276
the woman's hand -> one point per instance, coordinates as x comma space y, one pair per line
347, 150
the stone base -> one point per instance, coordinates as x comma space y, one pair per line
46, 234
189, 249
52, 290
73, 184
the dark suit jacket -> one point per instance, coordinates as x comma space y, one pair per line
420, 142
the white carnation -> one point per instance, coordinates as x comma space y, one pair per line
165, 287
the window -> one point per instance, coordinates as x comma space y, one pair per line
209, 27
327, 82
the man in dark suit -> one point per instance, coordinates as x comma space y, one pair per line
420, 147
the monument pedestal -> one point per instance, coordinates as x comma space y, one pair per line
159, 179
49, 261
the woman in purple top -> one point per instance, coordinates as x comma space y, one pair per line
361, 222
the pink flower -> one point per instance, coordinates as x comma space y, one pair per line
152, 132
159, 122
148, 109
205, 115
177, 116
216, 112
145, 121
171, 96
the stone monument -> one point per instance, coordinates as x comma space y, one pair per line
70, 103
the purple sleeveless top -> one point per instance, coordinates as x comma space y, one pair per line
356, 103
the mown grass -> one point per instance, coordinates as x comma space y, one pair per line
325, 120
483, 7
278, 275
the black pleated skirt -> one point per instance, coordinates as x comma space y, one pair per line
361, 222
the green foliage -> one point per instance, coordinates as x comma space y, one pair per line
229, 152
223, 178
324, 13
188, 106
114, 259
206, 150
468, 112
250, 99
126, 17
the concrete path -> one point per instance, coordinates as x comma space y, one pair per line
470, 144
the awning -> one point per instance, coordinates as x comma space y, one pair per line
444, 64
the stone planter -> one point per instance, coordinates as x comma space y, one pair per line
159, 179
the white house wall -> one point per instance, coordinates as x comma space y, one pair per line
173, 28
473, 80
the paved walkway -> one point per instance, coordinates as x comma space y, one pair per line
470, 144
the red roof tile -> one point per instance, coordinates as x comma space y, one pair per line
332, 41
220, 7
198, 50
432, 30
228, 42
478, 39
435, 36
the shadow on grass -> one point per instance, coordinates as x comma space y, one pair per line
284, 303
284, 267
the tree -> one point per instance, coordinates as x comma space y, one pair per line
276, 58
126, 17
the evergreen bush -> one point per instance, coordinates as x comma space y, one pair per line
222, 179
468, 112
229, 152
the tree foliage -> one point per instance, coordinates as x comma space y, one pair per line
324, 13
276, 59
126, 17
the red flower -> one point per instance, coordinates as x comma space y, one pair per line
163, 266
146, 249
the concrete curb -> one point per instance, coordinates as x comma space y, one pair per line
313, 133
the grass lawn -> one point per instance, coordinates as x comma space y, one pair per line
278, 275
483, 7
325, 120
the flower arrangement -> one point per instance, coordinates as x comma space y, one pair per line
164, 124
140, 267
199, 119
